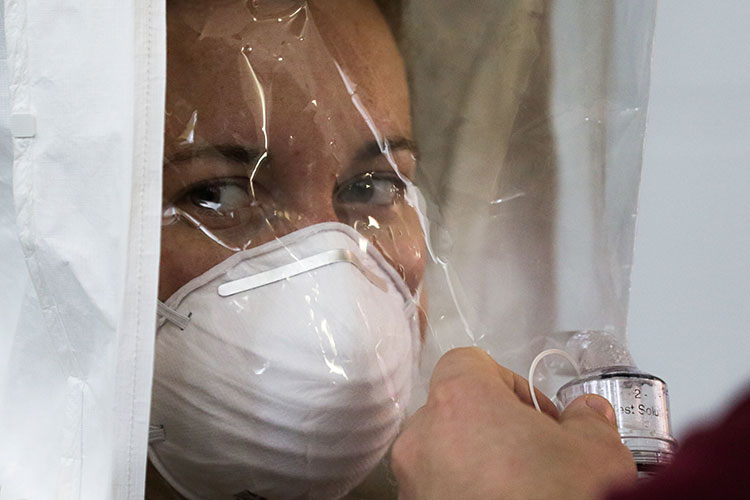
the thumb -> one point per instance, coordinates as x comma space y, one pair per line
591, 418
589, 414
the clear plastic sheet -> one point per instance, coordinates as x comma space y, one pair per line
318, 255
292, 254
319, 251
530, 134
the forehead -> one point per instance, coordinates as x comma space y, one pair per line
281, 72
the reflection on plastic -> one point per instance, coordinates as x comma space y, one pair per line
274, 9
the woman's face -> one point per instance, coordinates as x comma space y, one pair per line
281, 114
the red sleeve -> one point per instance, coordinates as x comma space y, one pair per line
712, 463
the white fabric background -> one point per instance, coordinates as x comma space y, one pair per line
76, 348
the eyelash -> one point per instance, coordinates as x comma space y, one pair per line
397, 182
187, 194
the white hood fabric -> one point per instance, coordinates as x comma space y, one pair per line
82, 88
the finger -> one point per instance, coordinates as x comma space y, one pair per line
464, 362
590, 414
521, 389
470, 365
592, 418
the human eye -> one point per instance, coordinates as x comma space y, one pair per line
371, 188
221, 196
217, 203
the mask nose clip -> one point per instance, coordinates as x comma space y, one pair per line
300, 266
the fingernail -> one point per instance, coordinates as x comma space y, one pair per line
601, 406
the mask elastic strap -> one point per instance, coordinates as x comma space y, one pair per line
536, 361
178, 319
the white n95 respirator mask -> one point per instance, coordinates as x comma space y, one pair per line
283, 372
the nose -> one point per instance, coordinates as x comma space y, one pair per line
317, 214
313, 204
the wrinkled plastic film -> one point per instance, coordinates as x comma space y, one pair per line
493, 187
293, 251
531, 150
288, 113
316, 251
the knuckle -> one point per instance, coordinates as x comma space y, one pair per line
449, 392
594, 412
599, 408
605, 411
462, 355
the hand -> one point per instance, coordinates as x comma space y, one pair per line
478, 437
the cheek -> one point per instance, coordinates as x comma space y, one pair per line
186, 253
401, 241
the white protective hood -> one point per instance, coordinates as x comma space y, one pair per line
79, 269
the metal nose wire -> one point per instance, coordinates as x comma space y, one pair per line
301, 266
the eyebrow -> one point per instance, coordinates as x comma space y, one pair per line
228, 151
373, 149
245, 155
